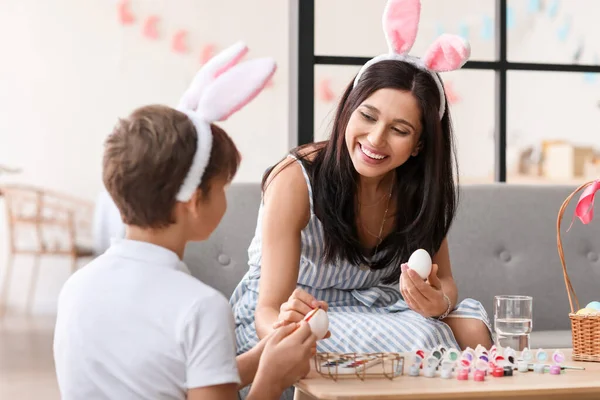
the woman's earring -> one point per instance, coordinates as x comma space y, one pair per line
416, 151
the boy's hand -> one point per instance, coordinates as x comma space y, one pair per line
260, 346
295, 309
286, 356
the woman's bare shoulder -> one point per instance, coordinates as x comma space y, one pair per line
290, 170
286, 189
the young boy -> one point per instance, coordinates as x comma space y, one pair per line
133, 324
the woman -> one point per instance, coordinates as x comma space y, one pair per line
339, 219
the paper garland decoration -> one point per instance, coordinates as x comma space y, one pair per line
590, 77
150, 31
564, 30
464, 31
440, 30
553, 8
534, 6
324, 91
208, 51
451, 93
178, 44
487, 29
179, 39
510, 18
578, 52
124, 14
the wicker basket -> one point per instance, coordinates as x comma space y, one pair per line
585, 329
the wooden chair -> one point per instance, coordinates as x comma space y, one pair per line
4, 169
55, 225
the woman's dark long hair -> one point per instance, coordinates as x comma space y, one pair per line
425, 188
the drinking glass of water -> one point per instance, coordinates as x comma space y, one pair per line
513, 321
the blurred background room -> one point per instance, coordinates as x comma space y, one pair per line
71, 68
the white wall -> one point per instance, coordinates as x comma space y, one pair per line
69, 70
73, 70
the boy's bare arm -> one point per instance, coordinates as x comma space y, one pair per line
247, 363
217, 392
286, 361
264, 390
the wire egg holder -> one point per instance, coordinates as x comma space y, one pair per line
362, 365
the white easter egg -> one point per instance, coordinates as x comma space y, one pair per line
318, 321
420, 262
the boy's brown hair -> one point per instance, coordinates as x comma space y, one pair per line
147, 157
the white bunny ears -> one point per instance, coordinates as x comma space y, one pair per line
218, 90
400, 26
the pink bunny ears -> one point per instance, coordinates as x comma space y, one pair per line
400, 26
221, 88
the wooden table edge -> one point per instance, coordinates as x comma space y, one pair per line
590, 388
512, 394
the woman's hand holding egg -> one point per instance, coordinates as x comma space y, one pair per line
425, 298
420, 262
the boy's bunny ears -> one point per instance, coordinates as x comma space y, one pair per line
400, 26
219, 89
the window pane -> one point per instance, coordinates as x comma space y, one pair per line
353, 27
552, 127
553, 31
330, 83
471, 97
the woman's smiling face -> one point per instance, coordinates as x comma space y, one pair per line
383, 132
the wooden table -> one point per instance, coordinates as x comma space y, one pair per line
574, 384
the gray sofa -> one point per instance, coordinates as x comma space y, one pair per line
503, 241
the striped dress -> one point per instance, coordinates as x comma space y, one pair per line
364, 315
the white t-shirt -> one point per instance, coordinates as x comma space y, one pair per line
133, 324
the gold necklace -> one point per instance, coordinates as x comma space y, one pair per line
379, 239
366, 267
371, 205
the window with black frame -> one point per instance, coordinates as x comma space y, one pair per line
525, 108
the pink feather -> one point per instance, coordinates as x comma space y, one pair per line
447, 53
585, 206
401, 23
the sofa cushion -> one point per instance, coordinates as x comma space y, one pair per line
222, 260
503, 241
559, 339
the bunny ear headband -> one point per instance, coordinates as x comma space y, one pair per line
400, 25
219, 89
